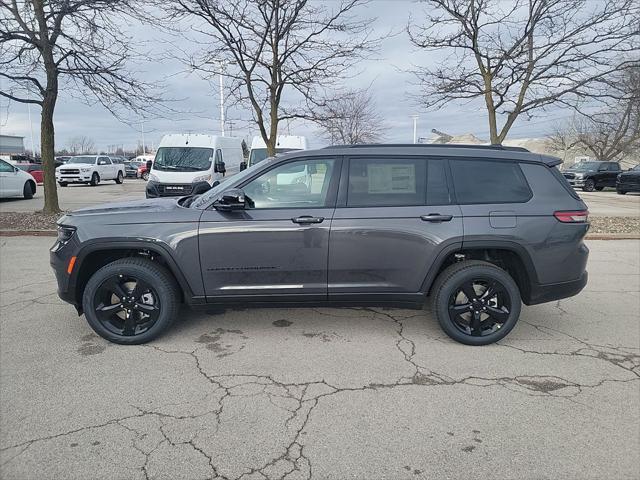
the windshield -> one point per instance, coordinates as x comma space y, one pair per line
585, 166
636, 168
82, 159
203, 200
259, 154
183, 159
134, 164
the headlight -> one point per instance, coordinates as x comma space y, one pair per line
153, 178
65, 233
579, 175
85, 170
202, 178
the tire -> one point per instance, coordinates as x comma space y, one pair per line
63, 184
589, 185
145, 176
620, 192
156, 283
95, 179
599, 189
29, 190
119, 179
505, 304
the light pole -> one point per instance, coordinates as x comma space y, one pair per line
415, 128
33, 150
220, 66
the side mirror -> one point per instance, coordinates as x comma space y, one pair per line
219, 167
243, 166
230, 200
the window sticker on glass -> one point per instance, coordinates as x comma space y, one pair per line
396, 178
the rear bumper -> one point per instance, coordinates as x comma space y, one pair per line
542, 293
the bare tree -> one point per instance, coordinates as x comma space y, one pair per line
48, 45
272, 49
524, 55
82, 144
350, 118
613, 131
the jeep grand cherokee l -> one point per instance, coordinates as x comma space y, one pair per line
478, 229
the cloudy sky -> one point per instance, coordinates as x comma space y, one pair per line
391, 85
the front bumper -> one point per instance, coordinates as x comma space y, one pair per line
628, 186
542, 293
78, 178
59, 257
156, 189
576, 182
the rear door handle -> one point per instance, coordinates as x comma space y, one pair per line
307, 219
436, 217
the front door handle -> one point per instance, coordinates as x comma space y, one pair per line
436, 217
307, 219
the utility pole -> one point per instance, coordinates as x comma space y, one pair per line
221, 101
33, 150
415, 128
144, 151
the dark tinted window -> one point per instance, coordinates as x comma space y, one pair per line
486, 181
386, 182
614, 167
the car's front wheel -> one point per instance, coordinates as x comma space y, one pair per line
29, 189
130, 301
145, 176
119, 179
589, 185
95, 179
475, 302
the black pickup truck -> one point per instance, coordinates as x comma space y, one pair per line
592, 176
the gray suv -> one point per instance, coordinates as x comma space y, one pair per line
479, 230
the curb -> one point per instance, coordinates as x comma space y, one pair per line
612, 236
28, 233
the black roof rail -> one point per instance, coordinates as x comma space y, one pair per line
432, 145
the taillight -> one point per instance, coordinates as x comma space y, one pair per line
577, 216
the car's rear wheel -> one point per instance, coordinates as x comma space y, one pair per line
95, 179
589, 185
620, 192
476, 303
130, 301
145, 176
119, 178
29, 189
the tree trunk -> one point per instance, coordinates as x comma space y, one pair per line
47, 148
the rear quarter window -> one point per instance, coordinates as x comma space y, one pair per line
489, 181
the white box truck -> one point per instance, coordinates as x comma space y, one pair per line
284, 143
187, 164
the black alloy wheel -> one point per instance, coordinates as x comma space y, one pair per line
476, 302
479, 307
126, 305
131, 300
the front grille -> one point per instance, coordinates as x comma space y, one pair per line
71, 171
175, 189
570, 176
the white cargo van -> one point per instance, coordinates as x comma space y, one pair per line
188, 164
284, 143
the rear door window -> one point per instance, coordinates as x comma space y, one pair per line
380, 182
489, 181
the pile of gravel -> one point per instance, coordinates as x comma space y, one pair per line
628, 225
22, 221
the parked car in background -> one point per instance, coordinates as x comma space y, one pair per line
143, 172
592, 176
131, 168
479, 230
628, 181
192, 163
63, 159
89, 169
35, 169
15, 182
118, 159
284, 143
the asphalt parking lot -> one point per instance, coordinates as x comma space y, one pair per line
605, 203
321, 393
